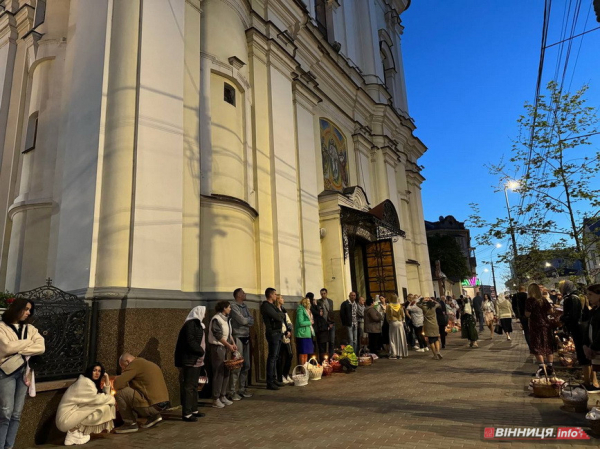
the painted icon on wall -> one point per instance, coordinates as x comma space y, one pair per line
335, 156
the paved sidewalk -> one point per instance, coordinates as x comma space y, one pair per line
411, 403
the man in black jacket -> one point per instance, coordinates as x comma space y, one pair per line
327, 305
273, 319
349, 317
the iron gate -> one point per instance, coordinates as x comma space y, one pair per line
64, 320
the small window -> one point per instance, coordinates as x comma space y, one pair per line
229, 94
31, 137
40, 13
321, 16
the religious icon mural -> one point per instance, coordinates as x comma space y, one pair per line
335, 156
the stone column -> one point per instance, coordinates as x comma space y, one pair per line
115, 221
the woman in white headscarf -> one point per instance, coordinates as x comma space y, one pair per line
505, 313
189, 358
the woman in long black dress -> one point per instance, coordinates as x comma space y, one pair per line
541, 341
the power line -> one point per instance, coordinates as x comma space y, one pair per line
573, 37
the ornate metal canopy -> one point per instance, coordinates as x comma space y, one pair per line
379, 223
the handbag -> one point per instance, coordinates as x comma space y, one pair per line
12, 364
498, 329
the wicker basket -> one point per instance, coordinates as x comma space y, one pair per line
327, 369
202, 380
234, 362
364, 359
315, 371
336, 366
300, 379
580, 404
546, 391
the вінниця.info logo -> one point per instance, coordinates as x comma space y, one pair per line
535, 433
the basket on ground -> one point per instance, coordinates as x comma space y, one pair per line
364, 359
575, 396
315, 371
547, 387
327, 369
300, 378
336, 366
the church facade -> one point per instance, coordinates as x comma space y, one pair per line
158, 154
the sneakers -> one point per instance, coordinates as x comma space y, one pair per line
190, 418
218, 404
272, 387
421, 350
289, 380
152, 421
550, 370
236, 397
225, 401
426, 349
127, 428
439, 356
416, 348
76, 437
245, 394
199, 414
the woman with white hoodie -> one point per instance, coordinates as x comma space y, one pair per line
505, 313
221, 340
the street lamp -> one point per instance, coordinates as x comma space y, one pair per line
512, 185
498, 245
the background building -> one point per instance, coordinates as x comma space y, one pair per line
449, 226
157, 154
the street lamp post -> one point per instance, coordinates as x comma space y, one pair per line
512, 185
498, 245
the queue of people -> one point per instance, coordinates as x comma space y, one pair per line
387, 328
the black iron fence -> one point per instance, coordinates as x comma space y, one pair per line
67, 324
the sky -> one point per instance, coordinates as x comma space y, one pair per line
470, 65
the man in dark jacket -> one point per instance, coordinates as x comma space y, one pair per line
478, 309
273, 319
442, 318
327, 305
349, 317
189, 357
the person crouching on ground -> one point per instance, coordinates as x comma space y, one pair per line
395, 317
189, 358
141, 391
86, 407
348, 359
221, 341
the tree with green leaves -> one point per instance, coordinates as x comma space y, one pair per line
555, 168
446, 249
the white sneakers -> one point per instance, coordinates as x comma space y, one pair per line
225, 401
421, 350
288, 380
218, 404
76, 437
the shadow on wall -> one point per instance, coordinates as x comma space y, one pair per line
151, 352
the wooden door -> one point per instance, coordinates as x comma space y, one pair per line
381, 270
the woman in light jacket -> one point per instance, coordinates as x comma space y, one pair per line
505, 313
303, 332
489, 314
395, 317
221, 340
18, 342
86, 407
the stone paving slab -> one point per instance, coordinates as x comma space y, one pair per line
416, 402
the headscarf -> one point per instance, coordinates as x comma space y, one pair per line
567, 288
197, 313
394, 302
